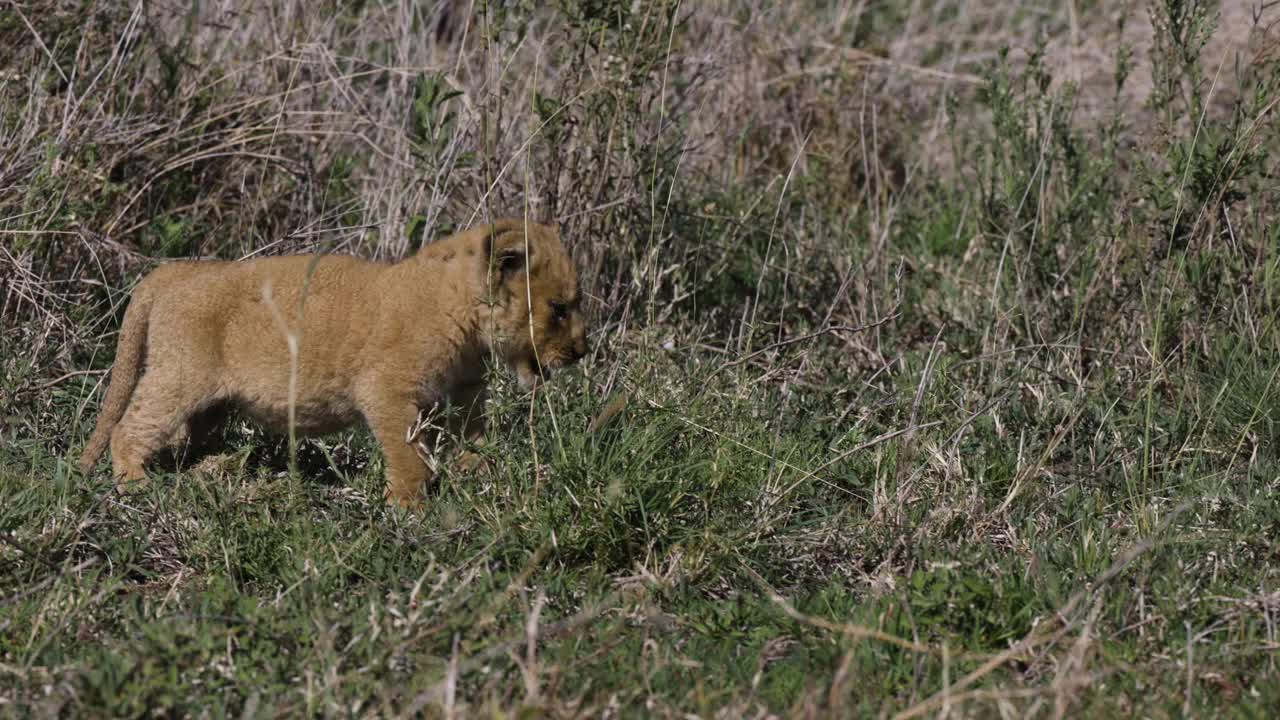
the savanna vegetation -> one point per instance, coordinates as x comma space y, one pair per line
933, 362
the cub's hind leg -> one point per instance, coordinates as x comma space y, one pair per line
160, 408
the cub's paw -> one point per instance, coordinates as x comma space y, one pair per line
126, 487
471, 462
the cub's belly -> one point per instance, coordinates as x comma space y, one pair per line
312, 415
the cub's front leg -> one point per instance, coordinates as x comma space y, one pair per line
468, 424
389, 416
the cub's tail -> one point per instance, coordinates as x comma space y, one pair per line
124, 375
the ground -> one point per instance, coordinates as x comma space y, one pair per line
934, 360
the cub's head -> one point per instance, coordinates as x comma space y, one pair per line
533, 299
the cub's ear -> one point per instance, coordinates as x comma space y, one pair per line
506, 251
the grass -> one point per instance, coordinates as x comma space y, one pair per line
927, 378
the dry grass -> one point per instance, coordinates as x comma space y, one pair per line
925, 380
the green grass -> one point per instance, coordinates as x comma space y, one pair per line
970, 411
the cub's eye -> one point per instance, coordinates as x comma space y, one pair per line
559, 310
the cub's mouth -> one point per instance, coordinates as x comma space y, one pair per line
530, 372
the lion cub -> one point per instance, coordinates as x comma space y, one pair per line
373, 341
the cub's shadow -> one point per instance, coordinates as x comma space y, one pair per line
330, 460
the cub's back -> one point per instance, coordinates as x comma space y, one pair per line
202, 287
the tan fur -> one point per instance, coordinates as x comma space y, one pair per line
375, 342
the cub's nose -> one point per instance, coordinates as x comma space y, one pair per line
579, 350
